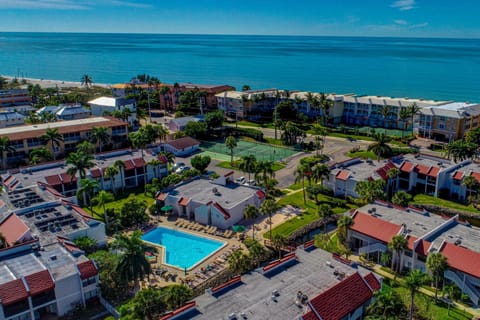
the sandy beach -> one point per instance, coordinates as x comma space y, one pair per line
47, 83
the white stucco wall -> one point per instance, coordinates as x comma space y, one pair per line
68, 293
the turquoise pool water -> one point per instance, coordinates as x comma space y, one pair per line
182, 250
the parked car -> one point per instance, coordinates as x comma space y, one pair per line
178, 165
182, 169
251, 182
241, 180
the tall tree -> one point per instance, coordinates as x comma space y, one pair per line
120, 165
380, 147
154, 163
386, 112
38, 155
231, 144
54, 138
100, 136
436, 265
413, 109
343, 223
87, 190
251, 213
320, 172
269, 207
102, 198
133, 264
404, 115
370, 191
301, 172
401, 198
471, 183
278, 242
238, 262
177, 295
397, 245
460, 150
414, 281
248, 164
86, 81
110, 173
79, 162
324, 212
5, 147
392, 175
140, 140
264, 171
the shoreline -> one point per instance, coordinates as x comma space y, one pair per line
50, 83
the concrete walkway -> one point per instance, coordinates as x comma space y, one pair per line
378, 270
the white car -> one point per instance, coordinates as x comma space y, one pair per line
251, 182
241, 180
178, 165
182, 169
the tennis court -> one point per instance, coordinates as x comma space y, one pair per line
261, 151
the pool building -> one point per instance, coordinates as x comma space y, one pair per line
220, 202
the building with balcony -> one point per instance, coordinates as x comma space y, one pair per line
14, 97
374, 226
66, 111
28, 137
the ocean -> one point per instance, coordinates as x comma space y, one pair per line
407, 67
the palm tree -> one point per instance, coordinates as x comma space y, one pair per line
414, 281
392, 175
324, 212
278, 242
140, 140
5, 147
413, 110
133, 264
404, 115
264, 170
460, 150
300, 174
471, 183
3, 241
320, 172
79, 163
86, 147
385, 111
380, 147
86, 81
401, 198
111, 173
231, 143
397, 245
169, 156
86, 191
343, 223
120, 165
436, 264
40, 154
369, 191
386, 305
53, 137
238, 262
176, 295
268, 207
154, 163
100, 136
247, 164
251, 212
102, 198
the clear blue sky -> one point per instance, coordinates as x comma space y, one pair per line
411, 18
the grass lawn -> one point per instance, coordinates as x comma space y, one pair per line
331, 245
364, 154
427, 306
425, 199
277, 142
296, 186
118, 204
352, 136
296, 199
226, 164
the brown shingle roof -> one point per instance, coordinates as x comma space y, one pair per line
39, 282
87, 269
13, 228
183, 143
12, 292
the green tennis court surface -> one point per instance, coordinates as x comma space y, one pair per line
262, 152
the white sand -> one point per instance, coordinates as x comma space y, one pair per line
45, 83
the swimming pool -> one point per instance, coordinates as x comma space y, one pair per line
182, 249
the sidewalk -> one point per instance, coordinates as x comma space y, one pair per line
377, 269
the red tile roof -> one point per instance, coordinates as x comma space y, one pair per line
341, 299
458, 175
129, 165
407, 167
434, 172
39, 282
422, 246
260, 194
96, 173
87, 269
138, 163
476, 175
162, 159
12, 292
225, 213
342, 175
373, 281
53, 180
373, 227
66, 178
13, 229
428, 171
184, 201
382, 172
462, 259
162, 196
183, 143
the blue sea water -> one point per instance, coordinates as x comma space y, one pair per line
408, 67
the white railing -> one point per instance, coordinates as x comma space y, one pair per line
463, 285
372, 248
109, 307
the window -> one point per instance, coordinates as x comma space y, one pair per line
89, 281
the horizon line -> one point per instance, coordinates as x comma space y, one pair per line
249, 35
